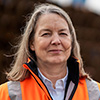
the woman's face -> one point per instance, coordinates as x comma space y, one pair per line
52, 40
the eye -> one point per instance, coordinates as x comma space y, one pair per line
64, 34
45, 34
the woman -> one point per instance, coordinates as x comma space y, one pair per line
48, 64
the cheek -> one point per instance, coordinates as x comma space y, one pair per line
67, 44
41, 45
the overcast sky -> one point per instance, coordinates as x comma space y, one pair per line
92, 5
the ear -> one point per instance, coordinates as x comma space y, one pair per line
32, 45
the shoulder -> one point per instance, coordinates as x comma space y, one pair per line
13, 84
9, 85
10, 89
93, 88
4, 95
3, 87
90, 83
93, 84
14, 88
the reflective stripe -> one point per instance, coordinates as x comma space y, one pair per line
70, 89
93, 90
14, 90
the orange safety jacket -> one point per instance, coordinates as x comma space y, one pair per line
33, 88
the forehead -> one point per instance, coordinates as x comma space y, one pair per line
51, 19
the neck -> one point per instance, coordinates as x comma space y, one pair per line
53, 72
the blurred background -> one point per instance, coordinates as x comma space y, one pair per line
85, 15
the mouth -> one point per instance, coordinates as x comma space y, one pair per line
56, 51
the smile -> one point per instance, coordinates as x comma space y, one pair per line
56, 51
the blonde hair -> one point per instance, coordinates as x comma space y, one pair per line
17, 72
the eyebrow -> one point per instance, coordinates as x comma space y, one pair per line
46, 30
65, 29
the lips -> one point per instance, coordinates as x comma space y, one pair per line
55, 51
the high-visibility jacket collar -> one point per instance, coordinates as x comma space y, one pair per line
73, 77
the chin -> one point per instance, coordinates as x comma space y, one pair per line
55, 61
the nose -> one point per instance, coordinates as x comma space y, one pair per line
56, 40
